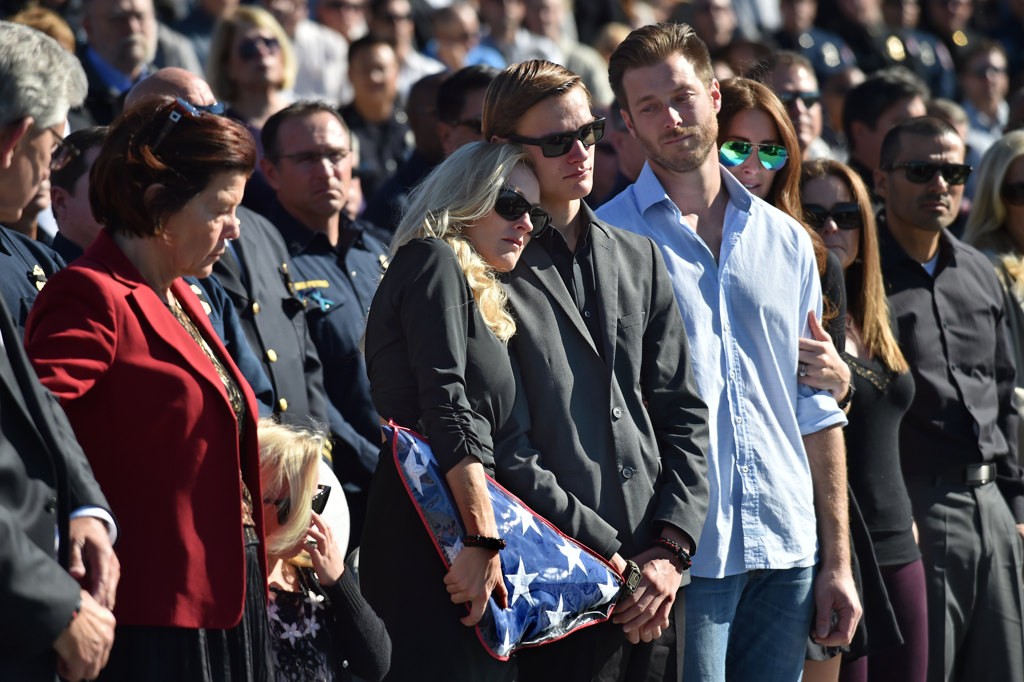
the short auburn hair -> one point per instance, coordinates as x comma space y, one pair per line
521, 86
651, 44
147, 148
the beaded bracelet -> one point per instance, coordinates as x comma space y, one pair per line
483, 541
677, 550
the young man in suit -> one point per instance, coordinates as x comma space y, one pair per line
606, 391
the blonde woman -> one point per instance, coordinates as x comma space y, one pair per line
996, 226
252, 66
321, 627
836, 203
437, 362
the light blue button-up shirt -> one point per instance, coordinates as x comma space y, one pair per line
744, 317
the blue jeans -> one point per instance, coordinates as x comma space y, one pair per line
752, 626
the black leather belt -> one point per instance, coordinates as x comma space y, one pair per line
972, 475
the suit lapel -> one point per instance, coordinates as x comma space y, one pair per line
229, 273
539, 264
8, 376
606, 273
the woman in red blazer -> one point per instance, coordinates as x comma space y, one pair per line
165, 417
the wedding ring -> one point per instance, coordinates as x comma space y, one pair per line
801, 369
311, 543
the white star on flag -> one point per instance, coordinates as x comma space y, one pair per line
525, 519
506, 645
557, 616
415, 468
572, 555
521, 584
609, 590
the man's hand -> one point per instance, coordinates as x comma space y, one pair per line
645, 613
93, 562
1020, 529
84, 646
834, 591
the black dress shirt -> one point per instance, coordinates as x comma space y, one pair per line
952, 330
577, 272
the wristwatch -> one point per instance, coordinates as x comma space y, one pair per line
630, 580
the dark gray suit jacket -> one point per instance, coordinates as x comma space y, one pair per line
44, 475
620, 444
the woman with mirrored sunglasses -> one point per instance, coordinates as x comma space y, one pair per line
838, 205
996, 226
754, 136
437, 361
321, 627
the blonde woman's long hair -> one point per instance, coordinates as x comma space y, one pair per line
457, 193
868, 306
289, 460
986, 223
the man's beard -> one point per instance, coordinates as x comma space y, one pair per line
680, 160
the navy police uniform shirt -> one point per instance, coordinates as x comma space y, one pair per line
25, 265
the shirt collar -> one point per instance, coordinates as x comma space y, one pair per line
649, 191
300, 238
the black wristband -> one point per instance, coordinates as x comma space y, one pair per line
677, 550
496, 544
848, 397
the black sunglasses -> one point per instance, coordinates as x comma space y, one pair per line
178, 110
808, 98
284, 505
846, 215
559, 144
250, 49
511, 205
1013, 193
62, 157
920, 172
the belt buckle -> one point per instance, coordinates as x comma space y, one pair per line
979, 474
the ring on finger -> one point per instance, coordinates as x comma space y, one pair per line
801, 369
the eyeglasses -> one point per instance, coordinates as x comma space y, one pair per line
178, 110
250, 49
344, 6
733, 153
1013, 193
333, 156
474, 124
215, 109
284, 505
393, 18
920, 172
560, 144
846, 215
986, 70
511, 205
808, 98
63, 155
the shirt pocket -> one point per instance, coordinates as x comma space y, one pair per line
627, 321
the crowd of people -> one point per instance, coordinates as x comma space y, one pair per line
730, 292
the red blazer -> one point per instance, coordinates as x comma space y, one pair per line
154, 420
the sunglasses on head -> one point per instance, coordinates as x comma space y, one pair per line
733, 153
1013, 193
284, 505
808, 98
846, 215
560, 144
250, 49
920, 172
178, 110
511, 205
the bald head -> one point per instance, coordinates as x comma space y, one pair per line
171, 82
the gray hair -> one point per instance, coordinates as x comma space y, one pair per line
38, 77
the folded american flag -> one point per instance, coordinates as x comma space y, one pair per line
555, 584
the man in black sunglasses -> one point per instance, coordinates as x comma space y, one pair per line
605, 387
958, 439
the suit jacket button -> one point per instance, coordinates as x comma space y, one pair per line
627, 472
51, 505
255, 307
617, 412
271, 355
282, 405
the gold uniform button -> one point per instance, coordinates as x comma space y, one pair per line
282, 405
271, 355
255, 307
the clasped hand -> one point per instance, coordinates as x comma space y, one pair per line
473, 577
645, 613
